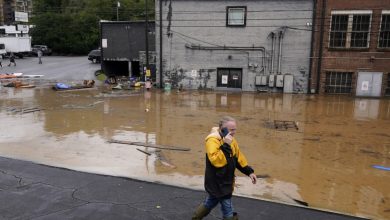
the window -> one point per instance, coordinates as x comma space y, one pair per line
350, 29
384, 33
338, 82
338, 33
236, 16
360, 31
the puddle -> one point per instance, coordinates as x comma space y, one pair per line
325, 163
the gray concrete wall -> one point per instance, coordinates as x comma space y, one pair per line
204, 23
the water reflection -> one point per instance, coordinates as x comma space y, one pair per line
327, 162
366, 109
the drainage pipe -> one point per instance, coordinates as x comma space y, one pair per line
253, 48
321, 45
313, 27
280, 51
272, 52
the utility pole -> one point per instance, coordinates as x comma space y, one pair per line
146, 37
161, 46
118, 5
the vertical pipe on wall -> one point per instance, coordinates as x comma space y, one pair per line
161, 45
280, 51
321, 44
312, 45
146, 36
272, 52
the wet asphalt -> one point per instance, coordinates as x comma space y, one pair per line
34, 191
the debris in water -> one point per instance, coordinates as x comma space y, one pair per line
296, 200
23, 110
285, 125
163, 147
147, 153
381, 167
70, 106
312, 139
263, 176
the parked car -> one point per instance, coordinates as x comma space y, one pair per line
46, 51
94, 56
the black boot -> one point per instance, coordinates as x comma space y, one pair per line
234, 217
200, 212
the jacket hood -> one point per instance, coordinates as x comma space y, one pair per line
214, 133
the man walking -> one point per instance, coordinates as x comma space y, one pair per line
39, 53
223, 156
12, 59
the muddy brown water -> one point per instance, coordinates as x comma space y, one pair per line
326, 162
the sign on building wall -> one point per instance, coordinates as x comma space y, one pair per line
21, 16
365, 85
224, 79
104, 43
194, 73
21, 27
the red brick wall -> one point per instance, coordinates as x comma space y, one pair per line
348, 60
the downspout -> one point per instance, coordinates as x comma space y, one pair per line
272, 52
312, 44
161, 44
280, 51
321, 45
263, 62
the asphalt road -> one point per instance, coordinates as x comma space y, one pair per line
54, 67
32, 191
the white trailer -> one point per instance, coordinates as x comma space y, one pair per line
13, 40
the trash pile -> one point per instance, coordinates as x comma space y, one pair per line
15, 80
18, 84
87, 84
126, 83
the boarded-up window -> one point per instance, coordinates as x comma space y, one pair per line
338, 82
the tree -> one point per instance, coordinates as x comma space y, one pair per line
72, 26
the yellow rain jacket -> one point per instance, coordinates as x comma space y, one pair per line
221, 161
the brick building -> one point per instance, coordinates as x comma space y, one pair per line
351, 48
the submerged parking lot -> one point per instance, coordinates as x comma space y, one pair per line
320, 150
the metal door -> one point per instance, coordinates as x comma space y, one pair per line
369, 84
222, 77
230, 78
235, 78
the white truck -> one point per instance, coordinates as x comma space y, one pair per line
15, 40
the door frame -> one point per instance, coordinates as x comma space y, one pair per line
230, 73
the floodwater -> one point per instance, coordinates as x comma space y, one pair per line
326, 161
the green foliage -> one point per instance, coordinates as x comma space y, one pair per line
72, 26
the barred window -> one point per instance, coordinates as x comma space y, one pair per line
350, 30
384, 34
360, 31
338, 82
338, 33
